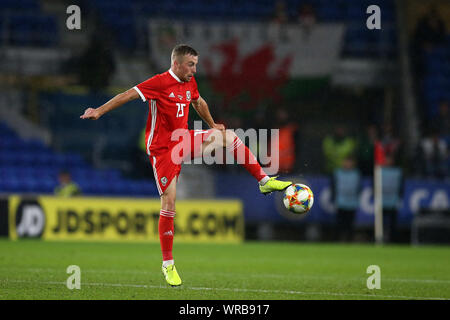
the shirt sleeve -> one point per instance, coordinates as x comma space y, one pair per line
149, 89
195, 93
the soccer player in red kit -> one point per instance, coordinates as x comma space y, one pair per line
169, 95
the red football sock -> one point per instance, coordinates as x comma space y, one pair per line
245, 157
166, 232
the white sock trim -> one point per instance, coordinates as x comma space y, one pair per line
167, 213
167, 263
263, 180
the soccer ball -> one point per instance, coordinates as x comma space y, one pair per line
298, 198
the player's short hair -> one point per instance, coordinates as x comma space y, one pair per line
181, 50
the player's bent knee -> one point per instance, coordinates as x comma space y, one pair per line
220, 138
229, 137
217, 138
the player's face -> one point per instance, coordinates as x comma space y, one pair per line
187, 67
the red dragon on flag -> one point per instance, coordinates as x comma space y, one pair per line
249, 74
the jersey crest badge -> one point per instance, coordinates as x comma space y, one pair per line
188, 95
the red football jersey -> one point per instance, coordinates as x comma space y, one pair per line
168, 99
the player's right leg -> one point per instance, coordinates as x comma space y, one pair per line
233, 144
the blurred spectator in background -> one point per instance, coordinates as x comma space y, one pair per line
286, 140
428, 33
336, 148
442, 121
280, 15
96, 65
390, 144
66, 188
142, 143
346, 185
434, 151
366, 145
392, 190
306, 17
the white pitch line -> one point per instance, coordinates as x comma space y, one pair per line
145, 286
259, 275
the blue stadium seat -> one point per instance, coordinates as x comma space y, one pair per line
20, 6
133, 188
8, 172
5, 130
331, 13
149, 8
30, 166
32, 29
47, 185
11, 143
10, 185
44, 159
36, 146
118, 188
148, 188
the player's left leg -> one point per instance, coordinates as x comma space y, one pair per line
166, 233
166, 173
244, 157
166, 222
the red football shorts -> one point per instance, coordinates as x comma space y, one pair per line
167, 165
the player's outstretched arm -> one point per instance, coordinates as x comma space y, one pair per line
202, 109
117, 101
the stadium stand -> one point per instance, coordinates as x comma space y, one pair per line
25, 24
437, 77
31, 167
121, 127
358, 42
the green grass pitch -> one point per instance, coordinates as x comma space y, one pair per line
33, 269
